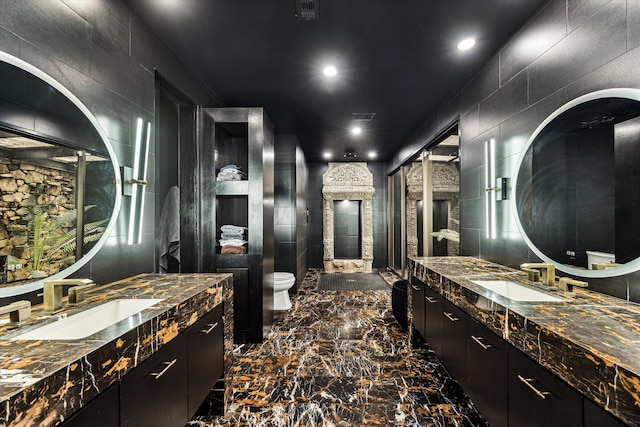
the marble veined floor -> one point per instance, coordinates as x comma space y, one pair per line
338, 358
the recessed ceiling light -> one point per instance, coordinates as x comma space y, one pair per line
373, 154
326, 155
330, 71
466, 44
356, 130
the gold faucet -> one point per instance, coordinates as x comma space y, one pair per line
18, 311
532, 274
603, 265
566, 284
52, 299
547, 271
77, 293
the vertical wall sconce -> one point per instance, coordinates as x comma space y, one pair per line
490, 189
136, 182
81, 176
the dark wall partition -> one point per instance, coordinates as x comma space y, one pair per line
290, 208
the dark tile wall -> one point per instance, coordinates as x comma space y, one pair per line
107, 58
568, 49
290, 220
302, 217
314, 199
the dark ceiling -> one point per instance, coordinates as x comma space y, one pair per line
395, 58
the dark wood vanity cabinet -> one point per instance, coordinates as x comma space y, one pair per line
417, 302
153, 394
453, 337
538, 398
168, 388
487, 381
103, 411
595, 416
433, 319
205, 354
507, 387
445, 330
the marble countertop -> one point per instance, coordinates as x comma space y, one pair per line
43, 382
591, 340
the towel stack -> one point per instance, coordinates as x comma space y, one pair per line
233, 240
230, 173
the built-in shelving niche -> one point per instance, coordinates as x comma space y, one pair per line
232, 210
232, 146
241, 137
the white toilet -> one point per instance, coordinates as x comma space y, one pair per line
281, 284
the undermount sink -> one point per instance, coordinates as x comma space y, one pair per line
88, 322
516, 291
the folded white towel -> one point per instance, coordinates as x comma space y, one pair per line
232, 229
233, 242
227, 236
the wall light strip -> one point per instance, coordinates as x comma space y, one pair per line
139, 181
491, 222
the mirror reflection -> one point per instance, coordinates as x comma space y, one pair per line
45, 190
576, 190
440, 168
58, 185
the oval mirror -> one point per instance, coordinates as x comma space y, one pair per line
577, 186
59, 180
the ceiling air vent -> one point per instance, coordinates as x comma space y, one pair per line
363, 117
307, 10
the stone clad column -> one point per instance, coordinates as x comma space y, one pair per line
367, 232
327, 228
414, 193
348, 181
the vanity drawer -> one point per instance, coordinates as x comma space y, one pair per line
153, 394
538, 398
205, 352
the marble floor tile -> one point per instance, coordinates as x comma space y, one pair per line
339, 358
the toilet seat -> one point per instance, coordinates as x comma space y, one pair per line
282, 276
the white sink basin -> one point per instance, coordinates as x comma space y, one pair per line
516, 291
88, 322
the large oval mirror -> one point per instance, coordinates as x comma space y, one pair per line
577, 186
59, 180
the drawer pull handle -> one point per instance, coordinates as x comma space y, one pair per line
415, 288
211, 326
480, 343
450, 316
157, 375
431, 300
527, 381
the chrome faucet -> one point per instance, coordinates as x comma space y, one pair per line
18, 311
52, 299
547, 271
566, 284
